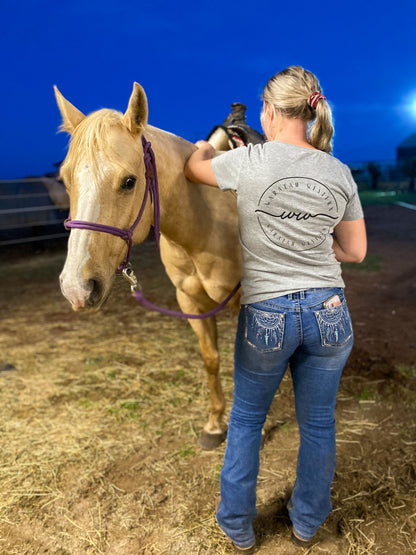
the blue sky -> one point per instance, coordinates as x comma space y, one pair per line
194, 59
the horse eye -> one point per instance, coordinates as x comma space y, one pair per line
129, 183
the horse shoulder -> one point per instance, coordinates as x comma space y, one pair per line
180, 268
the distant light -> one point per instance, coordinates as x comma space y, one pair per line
410, 104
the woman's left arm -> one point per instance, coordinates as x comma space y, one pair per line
350, 242
198, 167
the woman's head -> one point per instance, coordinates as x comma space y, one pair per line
291, 92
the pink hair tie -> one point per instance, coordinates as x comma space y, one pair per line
314, 99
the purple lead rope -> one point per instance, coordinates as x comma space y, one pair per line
152, 187
138, 295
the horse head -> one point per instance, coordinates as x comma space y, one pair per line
104, 175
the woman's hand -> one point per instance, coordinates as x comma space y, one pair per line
206, 148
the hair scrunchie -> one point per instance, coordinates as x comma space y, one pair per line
314, 99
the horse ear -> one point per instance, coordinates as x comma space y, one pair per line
136, 114
71, 116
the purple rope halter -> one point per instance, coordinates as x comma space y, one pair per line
152, 187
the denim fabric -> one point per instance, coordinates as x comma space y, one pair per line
315, 342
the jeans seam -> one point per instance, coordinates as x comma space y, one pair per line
300, 329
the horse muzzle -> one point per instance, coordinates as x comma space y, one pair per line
88, 296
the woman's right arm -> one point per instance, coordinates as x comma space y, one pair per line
350, 242
198, 167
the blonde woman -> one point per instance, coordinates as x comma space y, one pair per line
300, 217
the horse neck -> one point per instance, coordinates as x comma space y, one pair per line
171, 153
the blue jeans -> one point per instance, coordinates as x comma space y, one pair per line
315, 342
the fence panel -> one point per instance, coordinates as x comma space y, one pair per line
32, 210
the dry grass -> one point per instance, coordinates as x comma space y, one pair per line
99, 420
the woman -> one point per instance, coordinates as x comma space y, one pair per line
300, 217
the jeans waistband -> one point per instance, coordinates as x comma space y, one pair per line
306, 298
301, 295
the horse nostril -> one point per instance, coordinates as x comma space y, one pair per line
96, 292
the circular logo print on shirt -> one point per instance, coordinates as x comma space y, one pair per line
297, 213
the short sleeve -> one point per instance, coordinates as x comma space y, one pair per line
353, 208
227, 167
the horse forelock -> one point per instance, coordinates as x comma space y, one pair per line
91, 145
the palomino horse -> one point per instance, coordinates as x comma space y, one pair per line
104, 175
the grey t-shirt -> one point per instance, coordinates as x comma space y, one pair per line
289, 198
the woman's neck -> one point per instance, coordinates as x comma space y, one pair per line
290, 130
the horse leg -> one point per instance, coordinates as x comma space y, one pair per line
215, 430
193, 299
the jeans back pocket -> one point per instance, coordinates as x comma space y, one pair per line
335, 325
264, 330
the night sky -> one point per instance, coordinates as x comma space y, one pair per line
194, 59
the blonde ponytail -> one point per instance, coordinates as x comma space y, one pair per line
322, 130
290, 91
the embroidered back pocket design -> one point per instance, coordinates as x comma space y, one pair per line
264, 330
334, 325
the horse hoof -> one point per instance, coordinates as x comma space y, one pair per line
208, 441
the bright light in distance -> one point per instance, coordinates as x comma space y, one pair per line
410, 104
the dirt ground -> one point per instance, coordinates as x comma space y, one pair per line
100, 414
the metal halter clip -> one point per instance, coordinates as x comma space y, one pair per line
130, 276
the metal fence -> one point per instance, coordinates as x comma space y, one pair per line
29, 211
